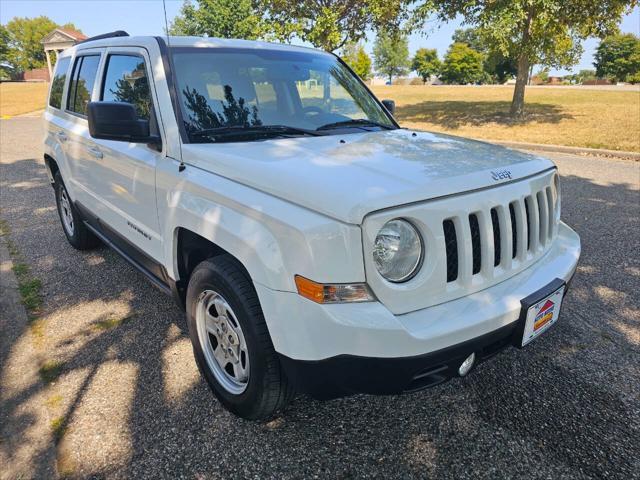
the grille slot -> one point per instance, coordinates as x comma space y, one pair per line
475, 243
451, 247
497, 248
543, 209
552, 213
529, 233
514, 231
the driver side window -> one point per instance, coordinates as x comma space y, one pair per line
125, 80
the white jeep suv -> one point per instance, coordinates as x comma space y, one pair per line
315, 245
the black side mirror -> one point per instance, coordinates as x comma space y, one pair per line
390, 105
118, 121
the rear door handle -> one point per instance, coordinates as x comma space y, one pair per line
62, 136
95, 152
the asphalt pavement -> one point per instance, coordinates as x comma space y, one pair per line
123, 399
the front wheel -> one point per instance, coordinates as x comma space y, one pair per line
231, 342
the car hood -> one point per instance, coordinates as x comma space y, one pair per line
348, 176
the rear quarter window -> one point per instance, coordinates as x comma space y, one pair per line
57, 84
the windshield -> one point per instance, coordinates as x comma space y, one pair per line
270, 92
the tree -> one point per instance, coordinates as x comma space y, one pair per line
618, 58
546, 32
426, 63
355, 56
4, 53
472, 37
221, 18
497, 65
25, 36
462, 65
391, 54
218, 18
543, 75
581, 77
331, 24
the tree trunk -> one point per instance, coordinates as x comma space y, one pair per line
517, 104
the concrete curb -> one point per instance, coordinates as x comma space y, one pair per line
571, 150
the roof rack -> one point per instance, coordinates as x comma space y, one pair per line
117, 33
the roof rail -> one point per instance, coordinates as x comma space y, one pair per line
117, 33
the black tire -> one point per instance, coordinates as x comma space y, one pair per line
79, 236
268, 389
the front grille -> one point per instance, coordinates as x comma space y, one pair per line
531, 220
473, 240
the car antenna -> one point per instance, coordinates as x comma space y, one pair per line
182, 166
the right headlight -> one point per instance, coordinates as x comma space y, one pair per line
398, 251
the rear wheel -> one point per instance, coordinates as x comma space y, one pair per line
231, 342
77, 233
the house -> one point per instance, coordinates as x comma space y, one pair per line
57, 41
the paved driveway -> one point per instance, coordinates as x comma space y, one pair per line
128, 401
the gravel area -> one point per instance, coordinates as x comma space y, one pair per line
128, 402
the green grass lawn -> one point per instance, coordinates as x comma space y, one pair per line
562, 116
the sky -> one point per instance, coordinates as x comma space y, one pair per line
146, 17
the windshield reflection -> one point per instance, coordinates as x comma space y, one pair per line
233, 87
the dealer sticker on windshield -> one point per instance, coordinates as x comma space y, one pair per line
542, 315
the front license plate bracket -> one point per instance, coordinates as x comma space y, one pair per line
552, 295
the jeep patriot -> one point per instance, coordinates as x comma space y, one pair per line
314, 244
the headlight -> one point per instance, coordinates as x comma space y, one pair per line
398, 251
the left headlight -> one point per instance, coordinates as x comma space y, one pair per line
398, 251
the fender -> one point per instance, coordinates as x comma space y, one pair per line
249, 225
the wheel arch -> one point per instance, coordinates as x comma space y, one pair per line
190, 249
51, 166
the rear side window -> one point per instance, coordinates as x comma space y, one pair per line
125, 80
82, 80
57, 84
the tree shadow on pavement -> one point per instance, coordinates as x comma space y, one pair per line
453, 114
565, 406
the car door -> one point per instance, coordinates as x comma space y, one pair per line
55, 126
124, 175
79, 147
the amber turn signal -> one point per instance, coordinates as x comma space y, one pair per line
333, 293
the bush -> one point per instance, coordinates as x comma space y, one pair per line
416, 81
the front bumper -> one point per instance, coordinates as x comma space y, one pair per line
332, 350
346, 374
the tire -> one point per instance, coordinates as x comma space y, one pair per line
77, 233
216, 284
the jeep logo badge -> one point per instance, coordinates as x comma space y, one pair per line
501, 175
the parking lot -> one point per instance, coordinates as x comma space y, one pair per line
120, 396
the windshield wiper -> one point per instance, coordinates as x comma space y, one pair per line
356, 122
239, 130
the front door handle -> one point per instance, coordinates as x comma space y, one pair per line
62, 136
95, 151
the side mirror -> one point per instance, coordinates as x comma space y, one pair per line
118, 121
390, 105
